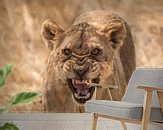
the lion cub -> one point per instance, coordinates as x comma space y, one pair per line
96, 48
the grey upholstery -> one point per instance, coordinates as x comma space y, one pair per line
132, 111
131, 105
115, 108
151, 77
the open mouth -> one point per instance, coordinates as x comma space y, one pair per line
81, 89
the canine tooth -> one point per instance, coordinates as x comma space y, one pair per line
73, 81
77, 81
87, 81
90, 80
76, 95
88, 94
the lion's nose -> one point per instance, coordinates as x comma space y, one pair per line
80, 62
81, 71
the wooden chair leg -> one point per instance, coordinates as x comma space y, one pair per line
160, 97
146, 109
124, 125
94, 121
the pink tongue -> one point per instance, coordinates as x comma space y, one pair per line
81, 87
83, 92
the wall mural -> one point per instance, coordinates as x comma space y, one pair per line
71, 51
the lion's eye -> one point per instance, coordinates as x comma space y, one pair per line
96, 51
67, 51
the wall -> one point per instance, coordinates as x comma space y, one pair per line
21, 43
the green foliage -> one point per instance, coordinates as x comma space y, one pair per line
5, 107
20, 98
8, 126
24, 97
3, 73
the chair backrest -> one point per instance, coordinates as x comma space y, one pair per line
152, 77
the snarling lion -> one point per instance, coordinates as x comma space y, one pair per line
97, 48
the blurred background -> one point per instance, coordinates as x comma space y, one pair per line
21, 43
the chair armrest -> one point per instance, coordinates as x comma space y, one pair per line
147, 88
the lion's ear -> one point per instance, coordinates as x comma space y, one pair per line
51, 33
115, 31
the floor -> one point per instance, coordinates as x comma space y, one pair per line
60, 121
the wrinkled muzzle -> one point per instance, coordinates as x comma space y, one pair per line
80, 83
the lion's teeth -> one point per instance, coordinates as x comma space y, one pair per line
73, 81
88, 94
90, 81
76, 95
80, 81
77, 81
79, 97
83, 81
87, 81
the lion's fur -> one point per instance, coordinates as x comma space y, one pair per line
116, 71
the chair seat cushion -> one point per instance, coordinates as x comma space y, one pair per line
131, 111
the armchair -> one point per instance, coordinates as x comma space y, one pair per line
141, 104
